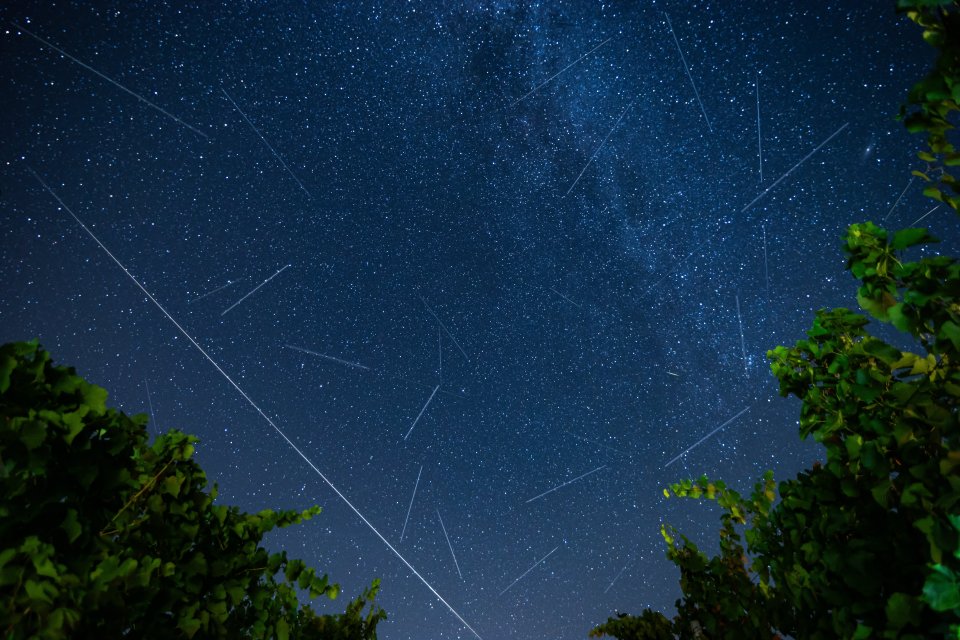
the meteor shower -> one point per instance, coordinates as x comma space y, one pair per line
480, 279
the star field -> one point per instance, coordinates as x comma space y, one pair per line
503, 252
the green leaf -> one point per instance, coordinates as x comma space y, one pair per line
71, 525
293, 570
172, 484
901, 610
7, 365
305, 579
941, 590
274, 563
44, 567
910, 237
189, 626
882, 351
881, 493
33, 433
853, 444
38, 591
197, 564
96, 398
951, 331
236, 595
74, 423
6, 556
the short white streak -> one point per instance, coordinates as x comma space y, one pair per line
153, 417
110, 80
759, 145
687, 69
435, 317
254, 291
321, 355
210, 293
547, 81
618, 575
766, 266
902, 193
404, 530
529, 570
427, 404
743, 346
566, 483
272, 150
676, 266
700, 441
609, 133
793, 168
565, 298
923, 216
449, 545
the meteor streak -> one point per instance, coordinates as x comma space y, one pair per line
793, 168
529, 570
701, 440
566, 483
427, 404
108, 79
255, 406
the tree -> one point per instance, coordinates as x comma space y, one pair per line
866, 545
103, 533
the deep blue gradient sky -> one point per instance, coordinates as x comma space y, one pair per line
592, 328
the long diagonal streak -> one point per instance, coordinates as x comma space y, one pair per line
253, 404
108, 79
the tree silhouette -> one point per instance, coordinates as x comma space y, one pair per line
104, 534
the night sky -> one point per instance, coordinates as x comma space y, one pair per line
494, 248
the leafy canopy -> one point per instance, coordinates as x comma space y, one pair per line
102, 533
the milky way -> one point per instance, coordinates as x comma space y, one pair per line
512, 226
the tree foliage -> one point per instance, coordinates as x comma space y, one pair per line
933, 101
103, 533
867, 544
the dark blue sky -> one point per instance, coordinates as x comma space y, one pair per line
591, 326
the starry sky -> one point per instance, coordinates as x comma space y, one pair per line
461, 254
